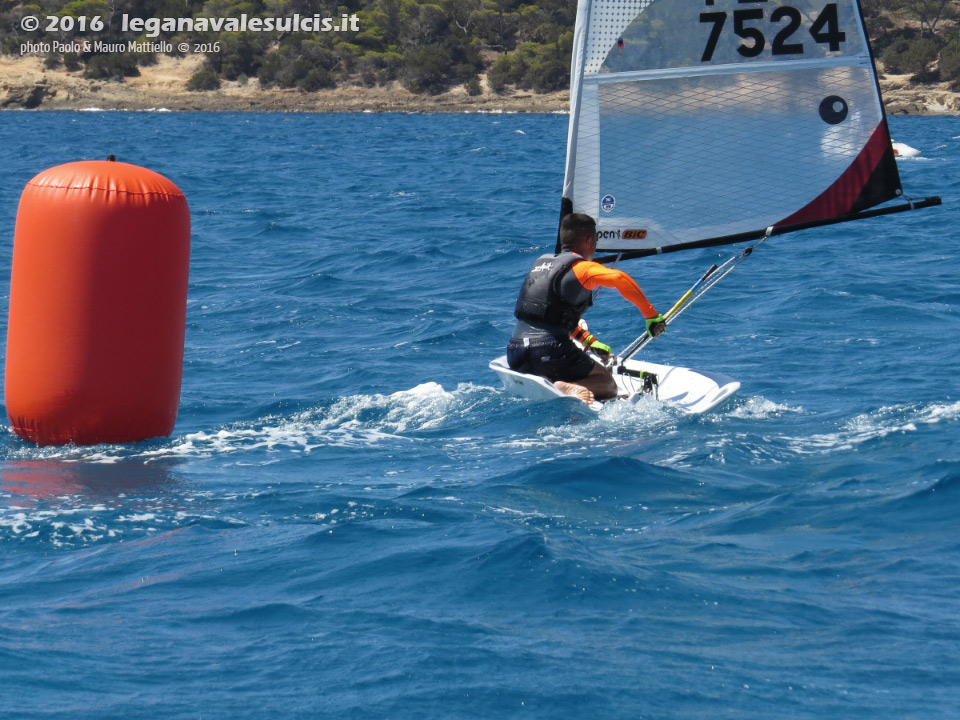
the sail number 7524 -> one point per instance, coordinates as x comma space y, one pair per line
750, 24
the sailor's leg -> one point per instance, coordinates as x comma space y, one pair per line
600, 382
598, 385
574, 390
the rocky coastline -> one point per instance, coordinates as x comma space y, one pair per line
25, 84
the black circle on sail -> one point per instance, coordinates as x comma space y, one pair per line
834, 110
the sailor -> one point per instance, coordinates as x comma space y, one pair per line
554, 296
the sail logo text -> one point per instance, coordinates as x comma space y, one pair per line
621, 234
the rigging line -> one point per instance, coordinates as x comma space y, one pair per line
716, 276
597, 291
709, 279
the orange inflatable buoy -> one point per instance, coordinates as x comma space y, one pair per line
98, 297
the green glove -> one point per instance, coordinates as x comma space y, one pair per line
656, 325
600, 347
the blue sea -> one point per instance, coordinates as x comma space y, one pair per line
352, 520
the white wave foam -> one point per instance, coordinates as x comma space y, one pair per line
518, 514
356, 421
876, 425
616, 423
58, 530
759, 408
782, 448
69, 519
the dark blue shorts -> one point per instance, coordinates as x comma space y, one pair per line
549, 357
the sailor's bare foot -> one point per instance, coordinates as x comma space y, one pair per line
577, 391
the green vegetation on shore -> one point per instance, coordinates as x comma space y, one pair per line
916, 37
426, 45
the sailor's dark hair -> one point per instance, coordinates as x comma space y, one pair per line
574, 228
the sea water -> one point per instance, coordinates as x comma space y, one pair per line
352, 519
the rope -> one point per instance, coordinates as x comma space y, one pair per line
700, 288
615, 262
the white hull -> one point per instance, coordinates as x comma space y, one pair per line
903, 150
688, 390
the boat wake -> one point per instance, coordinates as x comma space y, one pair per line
865, 428
71, 496
473, 417
750, 443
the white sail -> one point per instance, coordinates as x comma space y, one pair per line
700, 119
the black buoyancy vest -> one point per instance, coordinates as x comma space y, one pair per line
543, 300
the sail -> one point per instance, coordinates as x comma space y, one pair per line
698, 120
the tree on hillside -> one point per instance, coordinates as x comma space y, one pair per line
928, 12
427, 45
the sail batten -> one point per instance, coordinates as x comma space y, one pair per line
692, 121
691, 72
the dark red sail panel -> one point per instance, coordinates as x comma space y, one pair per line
870, 180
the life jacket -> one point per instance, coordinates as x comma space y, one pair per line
542, 299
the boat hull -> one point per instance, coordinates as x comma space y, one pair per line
691, 391
903, 150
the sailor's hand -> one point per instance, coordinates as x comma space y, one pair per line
590, 342
601, 349
656, 325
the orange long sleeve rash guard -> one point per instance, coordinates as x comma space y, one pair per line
593, 275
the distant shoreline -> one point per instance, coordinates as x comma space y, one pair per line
26, 85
